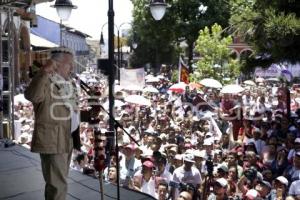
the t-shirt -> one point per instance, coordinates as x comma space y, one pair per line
295, 188
148, 187
182, 176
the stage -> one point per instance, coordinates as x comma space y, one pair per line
21, 179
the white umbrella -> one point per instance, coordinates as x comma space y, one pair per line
152, 79
137, 99
20, 99
161, 77
232, 89
259, 80
249, 82
117, 104
150, 89
212, 83
274, 79
149, 76
133, 88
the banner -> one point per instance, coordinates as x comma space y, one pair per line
132, 77
183, 71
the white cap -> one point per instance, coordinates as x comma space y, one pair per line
297, 140
222, 181
198, 153
178, 157
283, 180
292, 128
189, 158
252, 194
208, 141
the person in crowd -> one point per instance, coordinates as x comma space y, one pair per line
161, 170
112, 174
186, 174
129, 165
293, 171
184, 195
265, 191
280, 187
232, 161
220, 190
144, 180
162, 190
80, 162
54, 96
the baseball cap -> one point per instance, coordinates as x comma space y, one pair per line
188, 158
178, 157
222, 181
130, 146
148, 164
208, 141
297, 153
265, 183
252, 194
223, 168
282, 180
297, 140
198, 153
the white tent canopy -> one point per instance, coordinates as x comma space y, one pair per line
41, 42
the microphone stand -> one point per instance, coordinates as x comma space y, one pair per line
117, 125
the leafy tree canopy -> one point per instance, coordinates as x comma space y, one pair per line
215, 61
159, 40
271, 27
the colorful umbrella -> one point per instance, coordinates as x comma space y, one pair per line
178, 87
194, 85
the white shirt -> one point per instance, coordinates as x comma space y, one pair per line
74, 120
295, 188
128, 168
180, 175
148, 187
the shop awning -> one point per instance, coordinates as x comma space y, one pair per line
40, 42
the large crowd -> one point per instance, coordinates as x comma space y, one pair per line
196, 142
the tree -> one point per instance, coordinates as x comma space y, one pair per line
193, 15
159, 40
155, 38
215, 61
272, 28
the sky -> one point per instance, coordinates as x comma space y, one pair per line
91, 15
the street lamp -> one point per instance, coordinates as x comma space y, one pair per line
119, 57
63, 9
158, 9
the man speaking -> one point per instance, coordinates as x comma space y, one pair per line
55, 100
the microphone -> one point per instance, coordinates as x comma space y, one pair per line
83, 85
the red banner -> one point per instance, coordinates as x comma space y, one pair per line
183, 72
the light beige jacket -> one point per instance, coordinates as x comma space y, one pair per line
52, 128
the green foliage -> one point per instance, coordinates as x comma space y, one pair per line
174, 77
215, 59
159, 40
270, 27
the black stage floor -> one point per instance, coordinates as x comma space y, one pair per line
21, 179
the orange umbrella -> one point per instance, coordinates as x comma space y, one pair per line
194, 85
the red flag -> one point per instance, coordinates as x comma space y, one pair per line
183, 72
